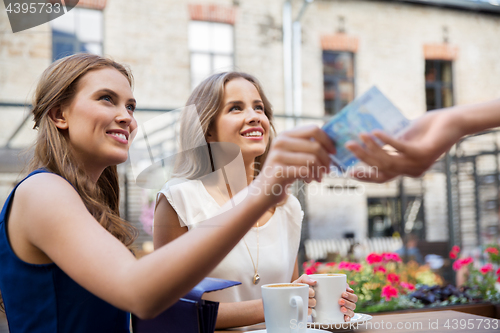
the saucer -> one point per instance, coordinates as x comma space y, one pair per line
308, 330
357, 321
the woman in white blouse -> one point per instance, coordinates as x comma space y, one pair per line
233, 111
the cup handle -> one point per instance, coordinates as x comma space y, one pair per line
297, 302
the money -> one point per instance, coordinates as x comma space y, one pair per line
366, 113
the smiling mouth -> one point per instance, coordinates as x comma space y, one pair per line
118, 136
254, 134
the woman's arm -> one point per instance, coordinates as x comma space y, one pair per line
166, 223
48, 214
426, 140
167, 228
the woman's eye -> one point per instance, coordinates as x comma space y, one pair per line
106, 98
234, 108
131, 107
259, 107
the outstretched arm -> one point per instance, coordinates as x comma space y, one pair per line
48, 216
424, 142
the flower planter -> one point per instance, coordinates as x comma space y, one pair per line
481, 309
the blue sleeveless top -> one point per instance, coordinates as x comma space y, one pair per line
43, 299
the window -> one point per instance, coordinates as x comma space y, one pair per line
212, 49
438, 84
79, 30
338, 76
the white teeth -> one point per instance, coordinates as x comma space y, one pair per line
254, 133
119, 135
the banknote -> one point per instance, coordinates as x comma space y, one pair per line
371, 111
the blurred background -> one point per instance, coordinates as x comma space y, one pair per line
312, 58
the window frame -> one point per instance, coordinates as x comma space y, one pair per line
336, 79
212, 55
438, 84
73, 39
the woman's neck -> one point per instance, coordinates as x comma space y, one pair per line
249, 169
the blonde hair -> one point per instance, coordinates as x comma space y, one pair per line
208, 97
57, 87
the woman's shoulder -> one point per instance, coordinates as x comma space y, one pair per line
44, 185
44, 189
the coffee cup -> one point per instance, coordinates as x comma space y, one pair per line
285, 307
328, 291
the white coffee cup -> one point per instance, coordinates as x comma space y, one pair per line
328, 291
285, 307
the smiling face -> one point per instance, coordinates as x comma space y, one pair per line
99, 120
242, 120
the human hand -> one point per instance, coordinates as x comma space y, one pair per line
301, 153
304, 278
348, 303
416, 150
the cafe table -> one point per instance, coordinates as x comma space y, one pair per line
417, 322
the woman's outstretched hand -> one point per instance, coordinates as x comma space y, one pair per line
425, 141
301, 153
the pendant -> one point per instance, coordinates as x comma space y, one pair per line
256, 278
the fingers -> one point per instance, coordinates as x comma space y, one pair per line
295, 165
312, 302
304, 278
347, 312
388, 140
348, 303
316, 133
312, 147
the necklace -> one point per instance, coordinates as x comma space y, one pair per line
256, 276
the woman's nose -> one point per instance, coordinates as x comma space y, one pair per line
253, 116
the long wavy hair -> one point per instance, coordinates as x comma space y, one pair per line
57, 87
208, 98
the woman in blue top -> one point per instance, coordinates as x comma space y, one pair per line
65, 265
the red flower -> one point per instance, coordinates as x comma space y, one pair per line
453, 255
379, 269
391, 256
486, 269
498, 280
468, 260
330, 264
317, 264
389, 292
353, 283
393, 278
310, 270
350, 266
461, 263
373, 258
408, 286
492, 250
455, 249
307, 263
498, 272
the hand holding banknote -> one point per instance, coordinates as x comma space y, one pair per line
425, 140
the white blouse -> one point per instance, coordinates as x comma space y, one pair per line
279, 240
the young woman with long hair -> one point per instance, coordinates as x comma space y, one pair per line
64, 256
232, 108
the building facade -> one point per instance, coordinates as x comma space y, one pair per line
420, 56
